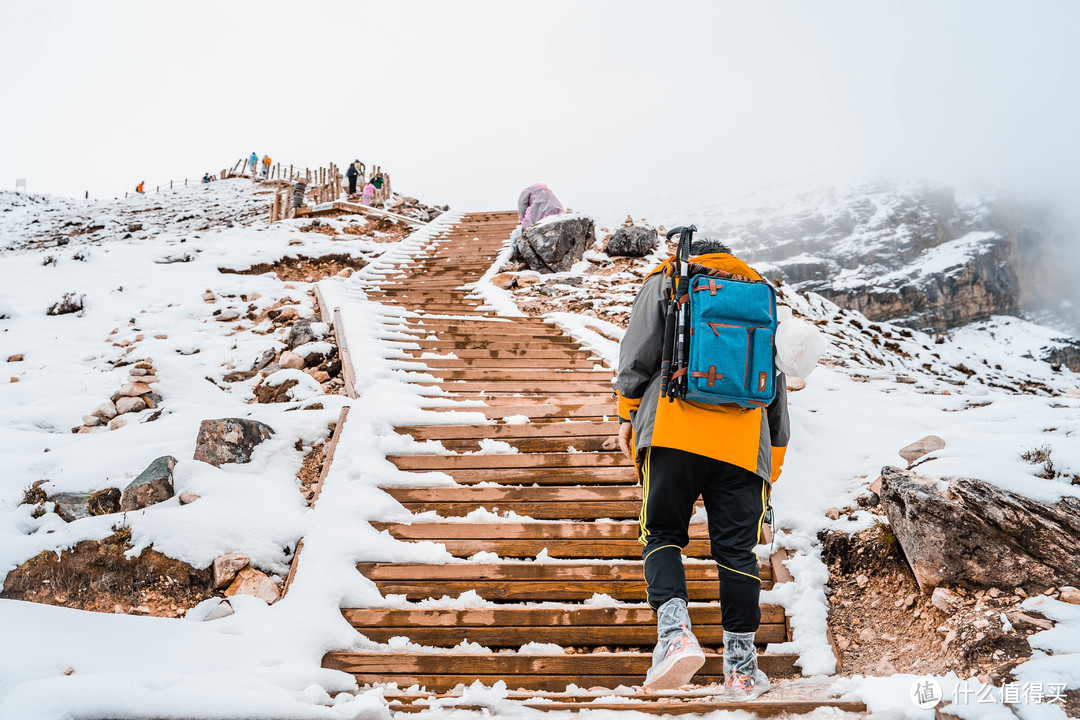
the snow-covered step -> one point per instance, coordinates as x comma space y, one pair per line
574, 502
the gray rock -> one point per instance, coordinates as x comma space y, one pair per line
633, 241
224, 609
263, 360
300, 334
229, 440
153, 485
946, 600
73, 506
973, 534
555, 245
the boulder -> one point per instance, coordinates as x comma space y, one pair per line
555, 245
73, 506
300, 334
130, 404
133, 389
632, 241
227, 566
188, 498
922, 447
263, 360
153, 485
229, 440
291, 361
105, 411
224, 609
16, 358
250, 581
972, 534
1070, 595
504, 280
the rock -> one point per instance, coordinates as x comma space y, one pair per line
875, 487
861, 580
71, 506
300, 334
228, 315
794, 384
1070, 595
104, 502
153, 485
152, 400
842, 642
13, 379
909, 601
188, 498
527, 280
946, 600
134, 389
143, 379
1072, 393
976, 535
1024, 621
15, 358
227, 566
289, 312
867, 635
229, 440
555, 245
345, 272
91, 420
224, 609
138, 372
263, 360
832, 513
919, 448
84, 429
884, 668
295, 241
632, 241
209, 296
291, 361
250, 581
117, 423
69, 303
504, 280
130, 404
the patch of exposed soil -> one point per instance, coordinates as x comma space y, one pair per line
882, 624
302, 268
95, 575
311, 469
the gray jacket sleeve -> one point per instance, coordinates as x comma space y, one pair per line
641, 349
523, 203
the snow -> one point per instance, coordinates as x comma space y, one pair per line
850, 420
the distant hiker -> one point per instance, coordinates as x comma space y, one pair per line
369, 192
352, 174
725, 453
139, 187
254, 161
535, 203
266, 166
206, 178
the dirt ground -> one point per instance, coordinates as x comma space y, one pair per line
302, 268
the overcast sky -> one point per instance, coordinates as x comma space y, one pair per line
607, 102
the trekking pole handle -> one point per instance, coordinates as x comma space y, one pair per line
676, 231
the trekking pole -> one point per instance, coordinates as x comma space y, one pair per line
677, 387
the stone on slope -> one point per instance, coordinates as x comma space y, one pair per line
250, 581
229, 440
291, 361
72, 506
153, 485
105, 411
922, 447
632, 241
301, 333
973, 534
227, 566
555, 245
126, 405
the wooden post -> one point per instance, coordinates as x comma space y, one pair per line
87, 194
290, 173
157, 189
185, 182
170, 184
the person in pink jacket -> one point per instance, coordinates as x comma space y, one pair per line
369, 192
535, 203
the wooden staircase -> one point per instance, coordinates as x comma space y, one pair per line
577, 495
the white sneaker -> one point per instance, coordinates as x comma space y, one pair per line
684, 657
740, 686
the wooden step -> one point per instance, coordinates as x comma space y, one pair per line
513, 351
523, 430
525, 376
542, 503
444, 671
590, 460
764, 707
543, 582
512, 627
555, 412
580, 443
560, 363
542, 476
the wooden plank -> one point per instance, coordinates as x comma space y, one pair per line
525, 531
611, 571
560, 363
510, 460
523, 430
543, 476
556, 548
506, 353
526, 616
537, 495
524, 376
552, 413
537, 591
629, 664
514, 636
573, 510
596, 443
328, 460
348, 371
759, 708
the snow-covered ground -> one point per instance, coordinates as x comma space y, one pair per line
865, 402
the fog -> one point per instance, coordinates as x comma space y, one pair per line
608, 102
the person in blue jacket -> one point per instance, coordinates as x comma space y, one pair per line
254, 160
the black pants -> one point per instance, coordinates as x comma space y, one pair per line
735, 500
352, 184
